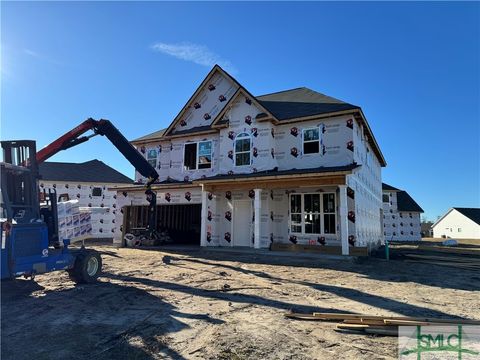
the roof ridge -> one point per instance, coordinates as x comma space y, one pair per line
281, 91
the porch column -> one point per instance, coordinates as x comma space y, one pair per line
203, 236
257, 204
343, 209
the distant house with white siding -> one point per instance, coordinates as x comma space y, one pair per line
401, 215
459, 223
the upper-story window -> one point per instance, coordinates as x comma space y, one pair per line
386, 198
197, 155
311, 140
152, 157
242, 149
204, 160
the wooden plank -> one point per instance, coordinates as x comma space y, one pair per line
378, 331
340, 316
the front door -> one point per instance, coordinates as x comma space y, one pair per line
242, 221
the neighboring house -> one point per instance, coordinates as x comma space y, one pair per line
401, 215
88, 183
426, 228
294, 166
458, 223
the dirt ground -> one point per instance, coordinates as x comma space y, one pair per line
197, 304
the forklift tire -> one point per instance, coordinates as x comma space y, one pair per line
87, 268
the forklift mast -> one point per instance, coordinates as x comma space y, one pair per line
19, 176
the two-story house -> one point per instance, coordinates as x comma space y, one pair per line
294, 166
401, 215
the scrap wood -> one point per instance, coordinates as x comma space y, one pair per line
387, 332
355, 318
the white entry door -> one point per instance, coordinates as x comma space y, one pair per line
242, 221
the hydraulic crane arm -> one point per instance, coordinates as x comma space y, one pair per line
104, 128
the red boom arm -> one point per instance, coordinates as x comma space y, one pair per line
67, 140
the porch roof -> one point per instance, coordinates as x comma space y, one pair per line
330, 175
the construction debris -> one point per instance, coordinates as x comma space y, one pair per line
379, 325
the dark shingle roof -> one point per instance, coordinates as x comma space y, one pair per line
301, 102
472, 213
389, 187
275, 172
90, 171
406, 203
192, 130
154, 135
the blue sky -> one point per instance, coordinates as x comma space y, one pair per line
412, 67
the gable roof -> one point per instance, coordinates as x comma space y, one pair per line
389, 187
216, 69
89, 171
472, 213
302, 102
220, 119
406, 203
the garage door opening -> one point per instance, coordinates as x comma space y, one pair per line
181, 222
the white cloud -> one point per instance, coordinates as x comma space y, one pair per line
39, 56
199, 54
31, 53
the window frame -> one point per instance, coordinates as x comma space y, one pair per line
197, 155
249, 151
152, 158
322, 213
97, 187
311, 141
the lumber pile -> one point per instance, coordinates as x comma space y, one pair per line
379, 325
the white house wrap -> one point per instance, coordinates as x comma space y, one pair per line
293, 167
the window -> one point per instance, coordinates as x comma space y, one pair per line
242, 149
386, 198
65, 197
309, 211
459, 230
197, 155
296, 213
311, 141
204, 155
97, 191
329, 213
152, 157
190, 157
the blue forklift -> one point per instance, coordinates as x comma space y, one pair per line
30, 243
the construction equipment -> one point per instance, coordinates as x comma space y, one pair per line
29, 233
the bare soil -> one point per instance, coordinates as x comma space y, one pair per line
192, 304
